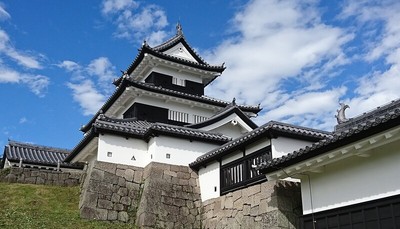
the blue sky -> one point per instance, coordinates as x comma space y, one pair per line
298, 59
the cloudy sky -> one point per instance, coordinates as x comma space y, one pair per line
297, 58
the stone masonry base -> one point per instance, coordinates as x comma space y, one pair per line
168, 196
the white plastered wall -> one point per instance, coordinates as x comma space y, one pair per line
283, 145
209, 181
181, 151
232, 126
354, 180
123, 150
180, 51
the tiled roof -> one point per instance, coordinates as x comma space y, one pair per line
126, 82
145, 129
366, 125
269, 129
148, 50
228, 110
203, 98
37, 155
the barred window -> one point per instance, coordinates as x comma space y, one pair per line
198, 118
179, 82
178, 116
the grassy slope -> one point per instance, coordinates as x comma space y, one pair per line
39, 206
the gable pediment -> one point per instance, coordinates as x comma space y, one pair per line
180, 51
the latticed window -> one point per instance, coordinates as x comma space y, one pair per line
180, 82
198, 118
178, 116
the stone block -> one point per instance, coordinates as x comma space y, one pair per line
115, 198
138, 177
228, 203
125, 200
16, 171
91, 213
121, 182
122, 191
179, 202
30, 180
122, 167
40, 180
110, 178
71, 182
246, 210
106, 167
119, 207
104, 204
97, 175
254, 211
35, 173
12, 178
238, 204
123, 216
132, 186
183, 175
129, 175
147, 219
75, 175
263, 206
112, 215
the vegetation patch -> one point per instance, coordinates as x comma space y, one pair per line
39, 206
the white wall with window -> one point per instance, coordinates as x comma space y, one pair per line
121, 150
177, 151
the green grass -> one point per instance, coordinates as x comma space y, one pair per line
39, 206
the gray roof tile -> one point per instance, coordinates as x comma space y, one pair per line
370, 123
37, 154
271, 128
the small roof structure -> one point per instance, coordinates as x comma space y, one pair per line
271, 129
36, 155
381, 119
160, 52
231, 108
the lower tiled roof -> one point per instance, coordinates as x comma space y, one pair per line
37, 154
271, 129
366, 125
146, 129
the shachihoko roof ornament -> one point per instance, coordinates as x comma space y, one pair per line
341, 116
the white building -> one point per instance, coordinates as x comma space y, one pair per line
159, 113
351, 179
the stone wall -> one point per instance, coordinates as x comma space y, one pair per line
271, 204
111, 192
170, 199
158, 196
168, 196
41, 176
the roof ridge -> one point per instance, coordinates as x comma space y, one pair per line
301, 127
36, 146
373, 113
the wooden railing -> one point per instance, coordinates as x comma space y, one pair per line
241, 173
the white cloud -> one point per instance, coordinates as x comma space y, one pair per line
281, 50
23, 59
380, 21
90, 84
135, 21
69, 66
103, 69
87, 96
23, 120
4, 15
36, 83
